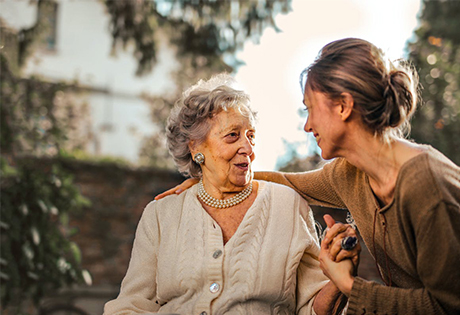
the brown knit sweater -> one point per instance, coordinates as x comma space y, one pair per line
415, 239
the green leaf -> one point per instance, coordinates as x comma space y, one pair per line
76, 253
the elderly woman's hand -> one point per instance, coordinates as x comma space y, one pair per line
186, 184
334, 238
339, 262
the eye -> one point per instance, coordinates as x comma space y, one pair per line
232, 137
251, 137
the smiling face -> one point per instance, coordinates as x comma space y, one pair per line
325, 122
228, 151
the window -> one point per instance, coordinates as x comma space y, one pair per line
47, 15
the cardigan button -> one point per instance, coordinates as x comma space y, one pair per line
203, 313
214, 287
217, 254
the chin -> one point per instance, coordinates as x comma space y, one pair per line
328, 155
243, 180
325, 155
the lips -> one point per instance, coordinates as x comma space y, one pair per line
318, 139
243, 166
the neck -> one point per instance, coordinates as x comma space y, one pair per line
381, 161
209, 200
221, 191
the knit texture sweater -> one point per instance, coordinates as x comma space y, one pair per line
179, 263
415, 239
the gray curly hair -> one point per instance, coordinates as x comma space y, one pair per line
190, 119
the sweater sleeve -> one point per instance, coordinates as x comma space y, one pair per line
317, 187
138, 288
310, 278
438, 255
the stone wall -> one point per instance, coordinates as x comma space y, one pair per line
106, 229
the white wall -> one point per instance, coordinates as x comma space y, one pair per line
83, 53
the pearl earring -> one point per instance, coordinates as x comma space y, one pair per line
198, 158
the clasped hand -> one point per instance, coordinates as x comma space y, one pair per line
338, 264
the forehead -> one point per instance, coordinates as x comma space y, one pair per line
232, 118
315, 97
308, 96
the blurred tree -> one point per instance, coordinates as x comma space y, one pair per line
436, 56
37, 257
206, 35
200, 29
37, 118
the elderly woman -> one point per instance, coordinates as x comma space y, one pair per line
229, 244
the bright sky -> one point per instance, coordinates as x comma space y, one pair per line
271, 73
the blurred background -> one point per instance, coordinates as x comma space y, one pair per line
87, 85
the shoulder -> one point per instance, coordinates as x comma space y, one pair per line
280, 196
170, 206
445, 175
341, 169
277, 190
430, 177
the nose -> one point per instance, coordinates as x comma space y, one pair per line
307, 126
247, 146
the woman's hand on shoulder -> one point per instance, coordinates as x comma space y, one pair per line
186, 184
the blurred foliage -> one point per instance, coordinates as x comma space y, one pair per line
197, 28
83, 155
205, 34
36, 256
436, 56
27, 39
37, 118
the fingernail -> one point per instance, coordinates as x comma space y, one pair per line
178, 191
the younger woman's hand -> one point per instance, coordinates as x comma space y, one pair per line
186, 184
340, 273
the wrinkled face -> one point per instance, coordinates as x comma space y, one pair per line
324, 122
228, 151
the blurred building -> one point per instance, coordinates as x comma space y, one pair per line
77, 48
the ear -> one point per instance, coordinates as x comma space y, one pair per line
191, 147
346, 105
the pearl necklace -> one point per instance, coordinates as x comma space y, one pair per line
222, 204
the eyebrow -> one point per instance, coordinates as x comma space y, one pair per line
237, 126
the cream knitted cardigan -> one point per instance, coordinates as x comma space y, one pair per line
179, 263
